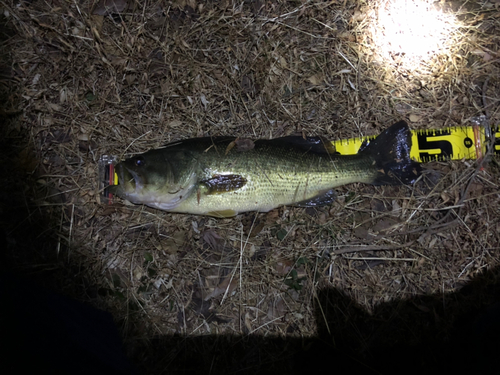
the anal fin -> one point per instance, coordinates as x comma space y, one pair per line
322, 199
222, 214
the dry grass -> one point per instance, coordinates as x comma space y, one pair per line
77, 86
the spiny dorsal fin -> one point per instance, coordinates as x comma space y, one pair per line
316, 145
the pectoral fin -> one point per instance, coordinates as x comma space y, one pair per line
220, 184
319, 200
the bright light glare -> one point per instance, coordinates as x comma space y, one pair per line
411, 31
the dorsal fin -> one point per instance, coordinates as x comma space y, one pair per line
316, 145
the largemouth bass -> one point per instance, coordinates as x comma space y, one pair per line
223, 176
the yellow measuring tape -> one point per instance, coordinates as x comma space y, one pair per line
452, 143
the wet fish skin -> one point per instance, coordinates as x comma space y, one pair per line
209, 176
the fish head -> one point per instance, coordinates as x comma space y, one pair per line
155, 178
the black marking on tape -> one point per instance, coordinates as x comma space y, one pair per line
425, 142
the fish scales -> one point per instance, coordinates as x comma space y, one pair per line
274, 175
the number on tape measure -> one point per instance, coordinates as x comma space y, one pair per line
434, 146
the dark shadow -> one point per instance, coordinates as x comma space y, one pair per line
41, 331
452, 333
456, 332
52, 334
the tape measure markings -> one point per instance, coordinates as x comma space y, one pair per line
452, 143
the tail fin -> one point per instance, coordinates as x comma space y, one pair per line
391, 152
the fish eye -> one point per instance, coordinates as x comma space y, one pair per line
139, 161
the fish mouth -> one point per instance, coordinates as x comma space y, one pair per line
129, 180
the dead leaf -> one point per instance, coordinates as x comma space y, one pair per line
277, 309
204, 101
175, 124
422, 308
244, 144
252, 225
415, 118
403, 108
226, 286
174, 243
106, 7
130, 78
272, 216
27, 160
485, 55
247, 85
315, 79
283, 267
377, 205
213, 240
201, 307
475, 190
396, 208
384, 225
113, 208
358, 16
283, 63
445, 197
361, 232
